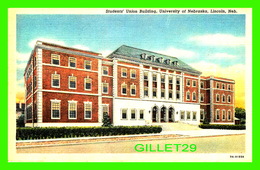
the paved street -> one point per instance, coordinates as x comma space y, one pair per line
234, 143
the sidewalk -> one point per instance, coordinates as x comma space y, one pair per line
162, 135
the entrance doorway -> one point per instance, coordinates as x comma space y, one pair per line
171, 114
163, 114
154, 113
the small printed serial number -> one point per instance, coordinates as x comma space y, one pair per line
237, 156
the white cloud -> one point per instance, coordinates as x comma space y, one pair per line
221, 56
105, 53
178, 52
22, 56
218, 40
33, 42
20, 82
81, 47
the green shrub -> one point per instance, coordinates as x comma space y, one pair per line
27, 133
211, 126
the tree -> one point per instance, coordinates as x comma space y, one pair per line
106, 120
240, 113
20, 121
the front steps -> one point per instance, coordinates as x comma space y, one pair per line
177, 126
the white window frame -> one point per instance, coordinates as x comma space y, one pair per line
105, 68
140, 114
132, 85
55, 101
76, 106
188, 114
223, 85
224, 113
194, 113
122, 89
90, 64
85, 106
229, 97
70, 62
75, 82
188, 82
146, 73
52, 80
132, 70
229, 112
194, 94
202, 85
188, 92
123, 70
85, 79
182, 111
131, 114
193, 83
223, 97
217, 114
218, 85
105, 105
53, 55
125, 113
229, 87
105, 83
217, 97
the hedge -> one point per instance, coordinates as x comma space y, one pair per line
29, 133
234, 127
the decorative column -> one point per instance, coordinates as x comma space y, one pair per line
158, 86
166, 85
39, 84
150, 83
141, 81
100, 115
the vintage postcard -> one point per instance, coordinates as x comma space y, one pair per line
130, 85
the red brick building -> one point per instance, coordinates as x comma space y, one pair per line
72, 87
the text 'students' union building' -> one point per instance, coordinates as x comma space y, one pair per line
72, 87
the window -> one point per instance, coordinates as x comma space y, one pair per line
87, 110
194, 83
178, 81
188, 96
217, 114
170, 80
55, 109
124, 72
188, 115
229, 87
146, 91
202, 85
133, 89
72, 62
163, 93
154, 77
223, 114
88, 83
178, 96
229, 99
170, 94
145, 75
123, 89
217, 97
194, 115
72, 109
55, 80
105, 109
55, 59
29, 112
202, 114
223, 86
105, 88
229, 115
105, 70
154, 92
87, 64
202, 97
218, 85
163, 79
194, 96
141, 114
124, 113
72, 82
132, 113
188, 82
182, 115
133, 74
223, 98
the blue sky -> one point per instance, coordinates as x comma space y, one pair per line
215, 41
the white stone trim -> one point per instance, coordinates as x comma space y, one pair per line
69, 92
73, 68
72, 101
100, 90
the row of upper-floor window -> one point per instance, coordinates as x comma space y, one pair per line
55, 60
162, 78
72, 83
162, 93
